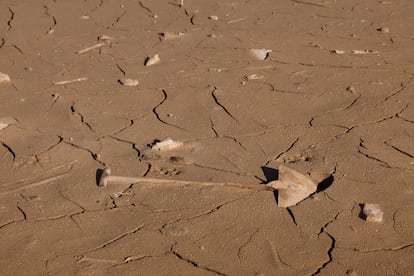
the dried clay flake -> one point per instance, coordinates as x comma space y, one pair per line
151, 60
4, 78
372, 212
6, 121
128, 82
260, 54
292, 187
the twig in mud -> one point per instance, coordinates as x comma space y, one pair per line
93, 47
70, 81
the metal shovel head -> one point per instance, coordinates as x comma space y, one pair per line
292, 187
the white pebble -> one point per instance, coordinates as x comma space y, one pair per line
372, 212
260, 54
4, 78
167, 144
129, 82
151, 60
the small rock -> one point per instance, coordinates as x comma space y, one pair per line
254, 77
213, 17
351, 89
151, 60
372, 212
384, 30
128, 82
167, 144
260, 54
4, 78
338, 52
105, 38
171, 35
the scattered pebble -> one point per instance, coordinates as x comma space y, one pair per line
254, 77
171, 35
151, 60
351, 89
4, 78
338, 52
6, 121
84, 17
260, 54
372, 212
105, 38
213, 17
384, 30
128, 82
167, 144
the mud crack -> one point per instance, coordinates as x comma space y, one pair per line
212, 210
332, 246
216, 100
194, 263
398, 149
94, 155
157, 115
151, 14
115, 239
117, 20
81, 117
9, 23
361, 147
10, 150
346, 107
283, 152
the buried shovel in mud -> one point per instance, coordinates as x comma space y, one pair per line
292, 186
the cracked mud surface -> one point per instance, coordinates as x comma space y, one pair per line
312, 109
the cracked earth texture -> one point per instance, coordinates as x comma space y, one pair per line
317, 110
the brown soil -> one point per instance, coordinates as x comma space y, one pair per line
313, 109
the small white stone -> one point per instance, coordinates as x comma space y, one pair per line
4, 78
167, 144
372, 212
171, 35
213, 17
105, 38
129, 82
151, 60
260, 54
338, 52
254, 77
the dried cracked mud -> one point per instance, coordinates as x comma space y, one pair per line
334, 96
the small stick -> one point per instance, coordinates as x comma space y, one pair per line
69, 81
106, 177
93, 47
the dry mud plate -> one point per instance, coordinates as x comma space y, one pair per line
240, 88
